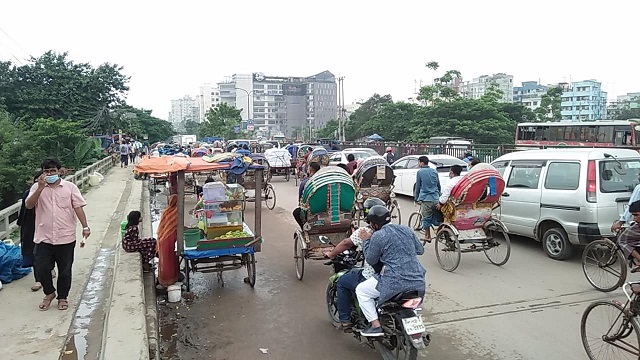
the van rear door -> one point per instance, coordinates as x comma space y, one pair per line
616, 180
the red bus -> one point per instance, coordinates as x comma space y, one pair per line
618, 133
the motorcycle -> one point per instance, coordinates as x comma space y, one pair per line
404, 331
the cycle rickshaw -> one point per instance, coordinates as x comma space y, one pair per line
247, 180
469, 224
327, 202
374, 178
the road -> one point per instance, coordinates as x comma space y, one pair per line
528, 309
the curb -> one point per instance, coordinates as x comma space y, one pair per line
150, 282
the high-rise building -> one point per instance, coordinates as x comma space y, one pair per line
272, 104
184, 109
479, 86
584, 100
209, 97
529, 94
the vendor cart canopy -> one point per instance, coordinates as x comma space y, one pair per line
169, 164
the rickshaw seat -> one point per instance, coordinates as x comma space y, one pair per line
483, 186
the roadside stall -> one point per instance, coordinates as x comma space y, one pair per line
225, 242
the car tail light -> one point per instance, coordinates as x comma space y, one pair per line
412, 303
591, 181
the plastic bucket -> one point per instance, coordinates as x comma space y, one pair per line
174, 292
191, 237
123, 228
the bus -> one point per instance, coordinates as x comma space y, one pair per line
599, 133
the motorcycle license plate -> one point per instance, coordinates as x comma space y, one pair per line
413, 325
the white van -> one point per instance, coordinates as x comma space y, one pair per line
563, 197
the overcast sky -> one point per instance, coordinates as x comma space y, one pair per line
170, 50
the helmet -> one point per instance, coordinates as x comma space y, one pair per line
388, 148
378, 215
371, 202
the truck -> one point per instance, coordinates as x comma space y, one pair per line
184, 140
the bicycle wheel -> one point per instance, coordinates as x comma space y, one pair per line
415, 221
608, 333
603, 265
394, 210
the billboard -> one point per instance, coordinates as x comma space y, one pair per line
294, 89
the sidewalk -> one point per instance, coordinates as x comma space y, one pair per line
103, 314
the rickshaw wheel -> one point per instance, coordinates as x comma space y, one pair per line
287, 176
447, 250
270, 197
498, 246
250, 263
394, 210
298, 255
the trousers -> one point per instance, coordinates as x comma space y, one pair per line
347, 284
367, 295
48, 256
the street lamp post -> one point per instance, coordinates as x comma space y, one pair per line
248, 102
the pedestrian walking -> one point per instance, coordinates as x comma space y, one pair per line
57, 204
132, 154
124, 154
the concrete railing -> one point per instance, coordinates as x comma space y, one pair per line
9, 215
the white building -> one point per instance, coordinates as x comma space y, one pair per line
209, 97
182, 110
479, 86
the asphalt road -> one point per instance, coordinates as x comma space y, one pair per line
528, 309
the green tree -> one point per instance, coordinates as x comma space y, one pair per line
52, 86
549, 109
363, 114
629, 109
329, 130
220, 121
441, 90
191, 127
393, 121
493, 95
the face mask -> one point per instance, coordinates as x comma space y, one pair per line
51, 179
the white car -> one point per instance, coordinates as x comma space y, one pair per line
340, 157
406, 169
367, 150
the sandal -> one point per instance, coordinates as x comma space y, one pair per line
46, 302
63, 304
37, 286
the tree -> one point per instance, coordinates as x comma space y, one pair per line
363, 114
629, 109
441, 90
52, 86
190, 127
493, 94
220, 121
393, 121
549, 108
329, 130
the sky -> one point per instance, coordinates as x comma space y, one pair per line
171, 48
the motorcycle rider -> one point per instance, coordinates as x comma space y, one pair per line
397, 247
347, 283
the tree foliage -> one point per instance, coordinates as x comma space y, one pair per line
220, 121
549, 109
629, 109
328, 131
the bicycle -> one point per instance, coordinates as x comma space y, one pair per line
415, 223
616, 334
606, 257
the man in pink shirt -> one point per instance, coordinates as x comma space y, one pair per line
57, 203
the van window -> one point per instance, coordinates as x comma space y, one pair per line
501, 166
525, 174
562, 176
619, 176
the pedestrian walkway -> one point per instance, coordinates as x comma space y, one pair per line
105, 317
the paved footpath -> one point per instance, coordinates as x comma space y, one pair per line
103, 314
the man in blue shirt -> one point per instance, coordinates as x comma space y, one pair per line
427, 193
297, 212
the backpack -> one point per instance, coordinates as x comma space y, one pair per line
389, 158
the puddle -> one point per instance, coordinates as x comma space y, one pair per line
169, 338
77, 345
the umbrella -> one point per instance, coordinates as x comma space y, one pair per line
375, 137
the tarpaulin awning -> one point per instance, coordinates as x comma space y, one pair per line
169, 164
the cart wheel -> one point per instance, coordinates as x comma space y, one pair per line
250, 263
498, 246
394, 210
270, 197
298, 254
447, 250
287, 176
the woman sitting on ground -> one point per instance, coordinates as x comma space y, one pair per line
133, 243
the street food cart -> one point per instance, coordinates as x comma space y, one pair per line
216, 251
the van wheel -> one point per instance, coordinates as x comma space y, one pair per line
556, 244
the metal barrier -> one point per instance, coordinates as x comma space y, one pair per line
9, 215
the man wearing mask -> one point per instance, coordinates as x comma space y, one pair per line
57, 203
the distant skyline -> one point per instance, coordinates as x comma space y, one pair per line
171, 49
